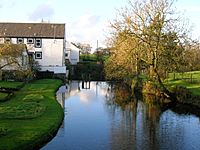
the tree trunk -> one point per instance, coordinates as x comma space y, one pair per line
163, 88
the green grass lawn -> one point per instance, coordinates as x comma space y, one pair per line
11, 84
190, 80
30, 117
93, 57
3, 96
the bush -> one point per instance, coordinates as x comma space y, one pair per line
87, 69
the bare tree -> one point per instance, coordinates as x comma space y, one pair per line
156, 34
11, 56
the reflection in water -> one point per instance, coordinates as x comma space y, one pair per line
142, 125
137, 124
102, 118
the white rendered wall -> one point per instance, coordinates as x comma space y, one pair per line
74, 56
55, 69
73, 53
52, 54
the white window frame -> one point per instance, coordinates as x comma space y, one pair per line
30, 40
20, 40
66, 55
36, 55
38, 42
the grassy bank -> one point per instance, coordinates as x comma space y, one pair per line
186, 87
7, 88
189, 80
11, 84
31, 116
93, 57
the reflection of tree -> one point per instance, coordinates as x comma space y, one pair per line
123, 128
122, 119
150, 121
171, 132
134, 123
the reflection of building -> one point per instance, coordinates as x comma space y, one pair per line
74, 88
60, 95
85, 84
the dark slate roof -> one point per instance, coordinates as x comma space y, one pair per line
38, 30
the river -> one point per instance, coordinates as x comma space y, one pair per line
94, 121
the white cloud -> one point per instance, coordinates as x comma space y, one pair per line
44, 11
86, 21
87, 28
7, 4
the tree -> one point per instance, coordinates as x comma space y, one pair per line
154, 35
11, 56
123, 61
192, 56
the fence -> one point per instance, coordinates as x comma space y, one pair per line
191, 77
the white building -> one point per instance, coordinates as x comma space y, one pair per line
45, 42
72, 53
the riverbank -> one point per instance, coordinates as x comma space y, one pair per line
31, 117
184, 86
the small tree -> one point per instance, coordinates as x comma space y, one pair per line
10, 55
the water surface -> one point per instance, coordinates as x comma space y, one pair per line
93, 121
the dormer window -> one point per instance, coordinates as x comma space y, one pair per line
20, 40
30, 41
38, 43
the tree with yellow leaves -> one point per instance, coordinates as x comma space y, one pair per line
147, 36
11, 57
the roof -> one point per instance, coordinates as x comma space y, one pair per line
34, 30
71, 46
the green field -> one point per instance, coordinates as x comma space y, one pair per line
11, 84
93, 57
190, 80
31, 116
3, 96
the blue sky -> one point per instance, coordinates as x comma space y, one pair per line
86, 20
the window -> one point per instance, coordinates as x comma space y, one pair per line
38, 55
7, 40
20, 40
30, 41
38, 43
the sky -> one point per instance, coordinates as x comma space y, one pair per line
87, 21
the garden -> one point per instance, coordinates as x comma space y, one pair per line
31, 116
